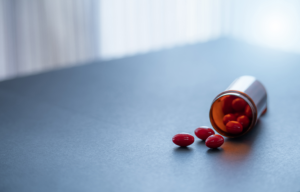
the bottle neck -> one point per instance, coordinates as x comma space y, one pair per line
215, 112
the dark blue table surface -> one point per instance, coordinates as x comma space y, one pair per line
108, 125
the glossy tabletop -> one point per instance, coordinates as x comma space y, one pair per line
108, 125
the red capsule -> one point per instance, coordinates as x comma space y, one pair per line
183, 139
227, 104
204, 132
229, 117
248, 112
243, 119
239, 104
234, 127
214, 141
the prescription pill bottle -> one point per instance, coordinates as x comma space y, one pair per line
245, 98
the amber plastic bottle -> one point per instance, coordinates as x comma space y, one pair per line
250, 90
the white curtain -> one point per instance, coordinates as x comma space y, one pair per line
38, 35
133, 26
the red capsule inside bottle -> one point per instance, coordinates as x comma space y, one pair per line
227, 104
183, 139
239, 104
203, 132
229, 117
234, 127
243, 120
214, 141
248, 112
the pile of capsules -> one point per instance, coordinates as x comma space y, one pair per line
237, 116
208, 135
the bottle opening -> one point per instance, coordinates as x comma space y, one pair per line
232, 115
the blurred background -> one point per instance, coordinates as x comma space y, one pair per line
41, 35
